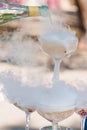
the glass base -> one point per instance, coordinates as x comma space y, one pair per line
60, 128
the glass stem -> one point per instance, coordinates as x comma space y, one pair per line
83, 123
55, 126
27, 120
56, 70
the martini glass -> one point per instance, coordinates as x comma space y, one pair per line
19, 94
58, 44
57, 102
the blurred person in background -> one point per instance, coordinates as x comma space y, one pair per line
83, 10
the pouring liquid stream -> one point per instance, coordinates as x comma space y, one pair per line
56, 71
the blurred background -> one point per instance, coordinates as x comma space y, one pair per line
20, 36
